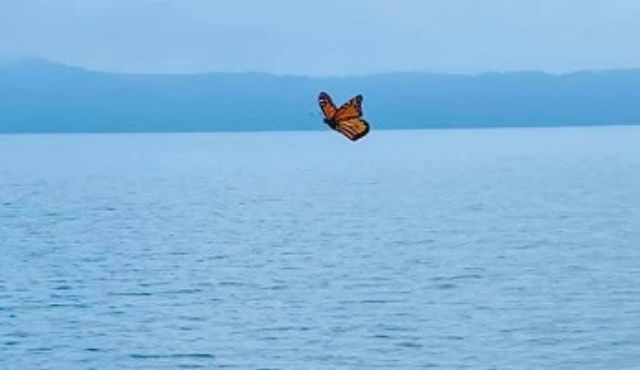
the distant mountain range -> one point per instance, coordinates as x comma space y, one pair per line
39, 96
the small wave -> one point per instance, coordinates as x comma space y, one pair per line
153, 356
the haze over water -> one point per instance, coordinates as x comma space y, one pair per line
445, 249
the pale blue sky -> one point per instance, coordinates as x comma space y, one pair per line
329, 37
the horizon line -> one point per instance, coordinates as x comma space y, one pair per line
323, 129
45, 61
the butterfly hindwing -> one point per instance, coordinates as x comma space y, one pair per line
353, 128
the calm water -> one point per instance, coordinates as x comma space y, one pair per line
479, 249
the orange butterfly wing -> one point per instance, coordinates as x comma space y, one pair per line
350, 109
326, 105
353, 128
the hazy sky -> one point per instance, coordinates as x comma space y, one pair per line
328, 37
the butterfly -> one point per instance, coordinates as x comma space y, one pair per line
347, 119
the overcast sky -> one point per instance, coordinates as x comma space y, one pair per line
328, 37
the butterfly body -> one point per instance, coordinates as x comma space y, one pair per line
330, 122
347, 119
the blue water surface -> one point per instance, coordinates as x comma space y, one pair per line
468, 249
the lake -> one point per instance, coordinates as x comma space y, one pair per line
443, 249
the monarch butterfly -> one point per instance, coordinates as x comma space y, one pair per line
347, 119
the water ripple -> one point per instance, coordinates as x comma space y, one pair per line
495, 249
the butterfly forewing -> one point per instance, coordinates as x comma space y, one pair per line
326, 105
350, 109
